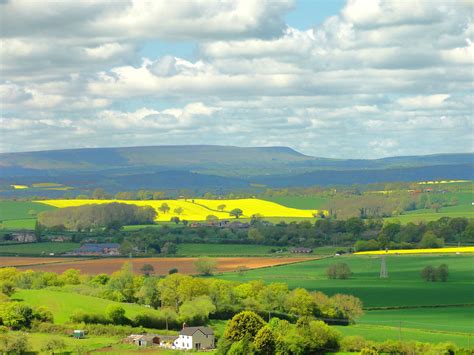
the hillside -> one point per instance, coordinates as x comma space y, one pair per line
210, 168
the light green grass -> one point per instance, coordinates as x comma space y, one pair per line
15, 224
381, 333
21, 209
38, 248
64, 304
302, 202
404, 286
446, 319
38, 340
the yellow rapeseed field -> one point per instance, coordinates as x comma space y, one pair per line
420, 251
19, 187
200, 208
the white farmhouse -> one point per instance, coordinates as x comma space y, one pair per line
195, 338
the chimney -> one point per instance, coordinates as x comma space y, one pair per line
184, 325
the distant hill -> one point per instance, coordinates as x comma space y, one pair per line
218, 168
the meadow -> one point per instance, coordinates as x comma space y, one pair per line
418, 251
63, 304
199, 209
402, 305
37, 248
404, 287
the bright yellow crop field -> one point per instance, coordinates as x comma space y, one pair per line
19, 187
419, 251
200, 209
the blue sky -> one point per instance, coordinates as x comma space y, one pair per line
342, 79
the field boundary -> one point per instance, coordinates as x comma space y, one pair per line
393, 308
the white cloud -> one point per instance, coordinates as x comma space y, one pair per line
364, 83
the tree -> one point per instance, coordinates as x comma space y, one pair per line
169, 248
99, 194
429, 240
428, 273
16, 315
338, 271
116, 314
300, 302
442, 273
175, 219
348, 306
53, 344
236, 212
11, 343
211, 218
221, 207
205, 266
71, 277
196, 310
246, 323
178, 210
7, 288
265, 342
164, 208
147, 269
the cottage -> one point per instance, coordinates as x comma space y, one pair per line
196, 338
301, 250
24, 237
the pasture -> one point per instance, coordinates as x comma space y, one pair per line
27, 261
18, 210
161, 265
404, 287
199, 209
37, 248
418, 251
302, 202
63, 304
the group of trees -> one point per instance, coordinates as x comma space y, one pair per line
192, 299
98, 216
430, 273
423, 235
247, 333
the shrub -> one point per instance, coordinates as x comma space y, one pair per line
14, 343
442, 273
53, 344
264, 341
243, 324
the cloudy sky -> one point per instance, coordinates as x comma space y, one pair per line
346, 79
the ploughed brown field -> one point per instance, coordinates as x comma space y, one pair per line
24, 261
161, 265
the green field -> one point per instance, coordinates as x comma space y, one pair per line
223, 250
37, 248
302, 202
21, 209
381, 333
15, 224
38, 340
404, 287
64, 304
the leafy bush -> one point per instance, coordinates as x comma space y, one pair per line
338, 271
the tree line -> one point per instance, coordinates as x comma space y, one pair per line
97, 216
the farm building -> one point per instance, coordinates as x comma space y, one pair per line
196, 338
98, 249
24, 237
59, 238
143, 340
301, 250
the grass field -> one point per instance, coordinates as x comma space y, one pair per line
404, 286
419, 251
38, 340
37, 248
15, 224
303, 202
64, 304
193, 249
200, 209
17, 210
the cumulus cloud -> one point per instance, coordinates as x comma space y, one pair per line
379, 78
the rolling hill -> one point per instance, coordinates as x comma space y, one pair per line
212, 168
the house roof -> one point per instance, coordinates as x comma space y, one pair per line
189, 331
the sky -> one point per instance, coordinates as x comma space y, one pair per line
340, 79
